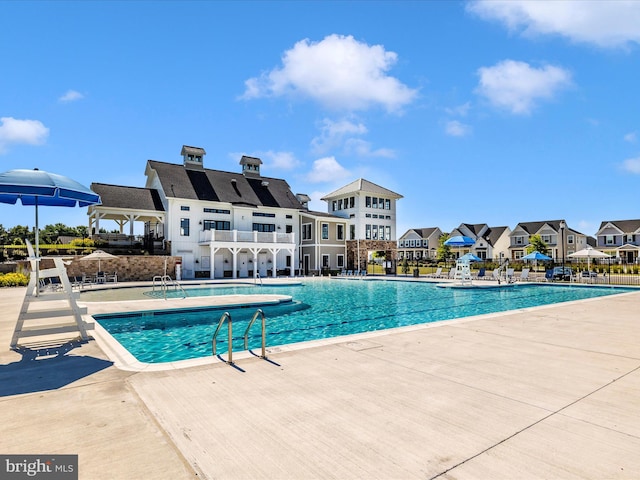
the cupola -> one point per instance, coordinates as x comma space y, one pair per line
193, 157
250, 166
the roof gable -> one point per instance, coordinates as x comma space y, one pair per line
361, 185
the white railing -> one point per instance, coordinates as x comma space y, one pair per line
243, 236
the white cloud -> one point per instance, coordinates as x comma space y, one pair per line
327, 169
71, 96
460, 110
602, 23
516, 86
13, 131
333, 133
631, 137
339, 72
632, 165
279, 160
457, 129
362, 148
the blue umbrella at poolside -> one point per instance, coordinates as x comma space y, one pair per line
459, 241
536, 255
37, 187
470, 257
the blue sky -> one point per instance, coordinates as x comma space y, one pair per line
476, 112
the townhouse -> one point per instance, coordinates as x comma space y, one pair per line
559, 237
419, 244
620, 238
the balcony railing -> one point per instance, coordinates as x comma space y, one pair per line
243, 236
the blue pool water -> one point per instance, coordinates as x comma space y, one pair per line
320, 310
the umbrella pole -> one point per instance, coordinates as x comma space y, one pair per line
37, 253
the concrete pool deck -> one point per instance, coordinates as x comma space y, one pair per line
549, 392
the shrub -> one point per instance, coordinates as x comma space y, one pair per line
13, 280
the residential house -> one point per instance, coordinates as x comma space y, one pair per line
561, 239
419, 243
620, 238
491, 243
222, 224
322, 242
371, 212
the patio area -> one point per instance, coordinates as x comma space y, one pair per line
550, 392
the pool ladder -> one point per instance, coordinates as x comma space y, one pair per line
165, 282
226, 316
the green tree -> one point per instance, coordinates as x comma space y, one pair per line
537, 244
405, 266
444, 251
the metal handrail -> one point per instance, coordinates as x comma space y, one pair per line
258, 277
225, 316
165, 281
264, 335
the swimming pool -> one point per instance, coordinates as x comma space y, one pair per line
320, 309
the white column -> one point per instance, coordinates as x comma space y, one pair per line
234, 251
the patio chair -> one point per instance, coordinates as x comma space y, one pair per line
510, 275
101, 277
436, 274
481, 274
524, 275
452, 273
112, 278
495, 275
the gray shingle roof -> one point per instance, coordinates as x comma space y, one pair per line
627, 226
117, 196
219, 186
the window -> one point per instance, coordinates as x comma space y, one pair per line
570, 239
425, 243
262, 214
375, 215
325, 261
288, 228
381, 232
340, 204
381, 203
352, 202
387, 204
289, 216
367, 232
375, 233
306, 231
216, 225
367, 215
184, 208
340, 258
519, 240
325, 231
352, 232
184, 227
546, 238
216, 210
387, 230
288, 261
400, 243
333, 206
339, 232
264, 227
412, 243
610, 239
367, 202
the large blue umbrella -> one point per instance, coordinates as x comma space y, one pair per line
37, 187
536, 255
459, 241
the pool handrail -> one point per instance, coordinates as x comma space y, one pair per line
225, 316
264, 336
165, 280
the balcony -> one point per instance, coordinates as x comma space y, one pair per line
245, 237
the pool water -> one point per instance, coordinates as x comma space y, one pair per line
320, 310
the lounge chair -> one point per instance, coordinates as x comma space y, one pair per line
524, 275
436, 274
452, 273
481, 274
510, 275
495, 275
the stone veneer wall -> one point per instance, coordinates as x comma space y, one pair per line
390, 247
130, 268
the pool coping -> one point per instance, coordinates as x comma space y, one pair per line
124, 360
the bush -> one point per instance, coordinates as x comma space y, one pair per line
13, 280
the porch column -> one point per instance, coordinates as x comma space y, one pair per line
292, 252
255, 251
234, 251
212, 263
274, 251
